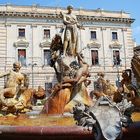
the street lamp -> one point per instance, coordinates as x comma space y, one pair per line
32, 67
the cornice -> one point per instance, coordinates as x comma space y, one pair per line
94, 44
115, 45
45, 43
57, 16
105, 19
21, 42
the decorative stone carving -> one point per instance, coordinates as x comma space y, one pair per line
94, 44
73, 78
105, 118
115, 45
45, 43
21, 42
16, 97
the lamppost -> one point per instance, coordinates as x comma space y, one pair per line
32, 72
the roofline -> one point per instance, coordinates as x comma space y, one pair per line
57, 16
12, 13
51, 7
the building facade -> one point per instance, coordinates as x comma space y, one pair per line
26, 33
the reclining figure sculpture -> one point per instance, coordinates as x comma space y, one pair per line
16, 96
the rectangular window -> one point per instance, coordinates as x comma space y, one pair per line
46, 33
116, 57
22, 56
94, 56
47, 57
21, 32
93, 34
114, 36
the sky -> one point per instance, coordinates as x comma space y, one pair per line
129, 6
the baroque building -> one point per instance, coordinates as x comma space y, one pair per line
26, 33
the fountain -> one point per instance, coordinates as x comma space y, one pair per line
68, 112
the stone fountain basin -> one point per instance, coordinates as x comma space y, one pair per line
41, 127
63, 127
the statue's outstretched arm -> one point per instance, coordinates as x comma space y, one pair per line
4, 74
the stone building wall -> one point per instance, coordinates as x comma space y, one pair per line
35, 19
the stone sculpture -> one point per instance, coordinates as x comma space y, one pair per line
71, 71
16, 96
105, 118
127, 89
103, 87
70, 46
